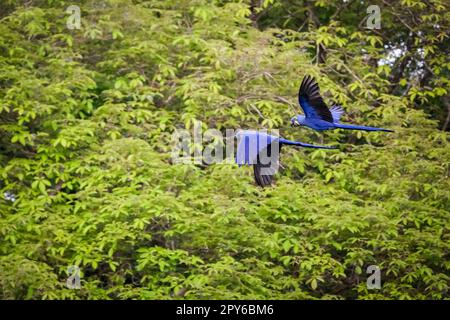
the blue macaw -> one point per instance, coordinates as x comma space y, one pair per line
262, 151
317, 115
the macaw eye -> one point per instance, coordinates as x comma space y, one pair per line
295, 123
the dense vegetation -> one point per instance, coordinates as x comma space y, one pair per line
86, 177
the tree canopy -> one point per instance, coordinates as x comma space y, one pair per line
86, 177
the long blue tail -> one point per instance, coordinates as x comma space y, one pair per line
355, 127
302, 144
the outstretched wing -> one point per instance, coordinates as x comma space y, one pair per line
263, 173
255, 148
312, 102
336, 112
251, 144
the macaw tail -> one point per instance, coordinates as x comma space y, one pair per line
304, 145
355, 127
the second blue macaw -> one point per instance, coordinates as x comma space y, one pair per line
262, 151
317, 115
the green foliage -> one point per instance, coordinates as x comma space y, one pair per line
86, 118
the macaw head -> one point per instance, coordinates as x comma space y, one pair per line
298, 120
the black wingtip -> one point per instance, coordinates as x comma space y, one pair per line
307, 80
260, 179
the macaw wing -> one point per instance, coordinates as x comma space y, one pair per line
336, 112
312, 102
251, 144
261, 179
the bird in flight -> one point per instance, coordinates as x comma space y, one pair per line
317, 116
262, 151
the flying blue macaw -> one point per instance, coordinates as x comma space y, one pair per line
262, 151
317, 115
